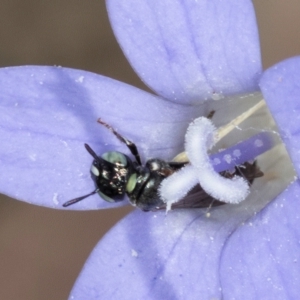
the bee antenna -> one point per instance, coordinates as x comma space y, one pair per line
73, 201
91, 151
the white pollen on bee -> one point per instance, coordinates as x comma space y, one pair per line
237, 153
258, 143
95, 170
154, 166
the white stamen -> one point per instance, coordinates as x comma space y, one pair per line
198, 137
183, 181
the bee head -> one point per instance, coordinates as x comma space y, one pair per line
110, 173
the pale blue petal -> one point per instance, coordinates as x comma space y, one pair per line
159, 256
188, 51
261, 259
48, 113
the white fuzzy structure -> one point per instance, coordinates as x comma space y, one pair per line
176, 186
199, 138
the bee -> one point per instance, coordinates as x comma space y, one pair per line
116, 175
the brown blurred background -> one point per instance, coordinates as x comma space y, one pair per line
42, 250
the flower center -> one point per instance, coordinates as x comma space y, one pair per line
204, 169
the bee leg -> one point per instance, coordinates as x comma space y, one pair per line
130, 145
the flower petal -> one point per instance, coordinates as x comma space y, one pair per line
262, 256
281, 89
261, 259
188, 51
48, 113
159, 256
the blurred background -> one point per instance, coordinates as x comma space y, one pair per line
42, 250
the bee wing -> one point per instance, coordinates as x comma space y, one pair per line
197, 198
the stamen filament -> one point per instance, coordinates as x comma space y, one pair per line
226, 129
223, 131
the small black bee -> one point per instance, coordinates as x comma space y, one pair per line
115, 175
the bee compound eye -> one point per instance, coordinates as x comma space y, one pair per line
105, 197
131, 183
95, 170
115, 157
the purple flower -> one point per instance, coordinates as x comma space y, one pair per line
187, 52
